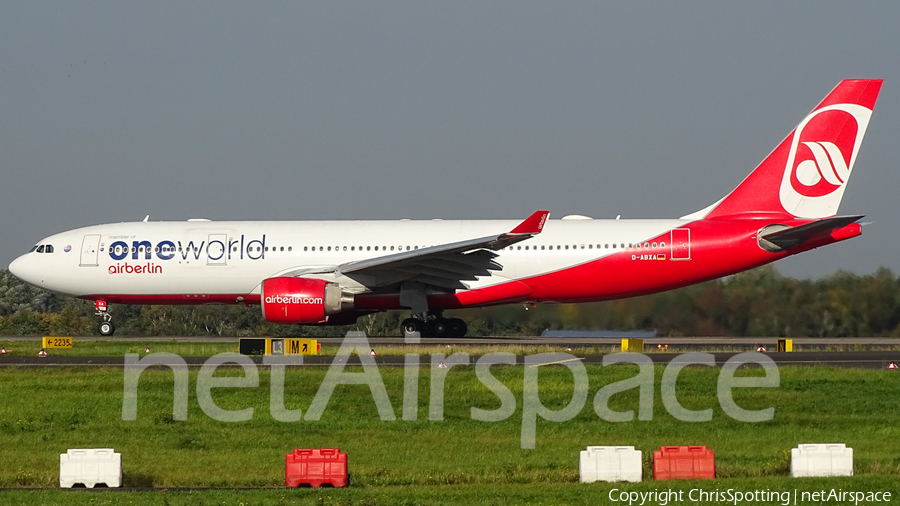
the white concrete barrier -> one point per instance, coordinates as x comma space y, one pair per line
821, 460
90, 467
610, 463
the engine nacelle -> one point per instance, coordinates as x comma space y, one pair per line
302, 300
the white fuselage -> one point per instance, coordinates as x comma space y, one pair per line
208, 257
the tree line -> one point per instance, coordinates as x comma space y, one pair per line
760, 302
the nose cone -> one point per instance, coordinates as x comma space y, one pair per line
19, 268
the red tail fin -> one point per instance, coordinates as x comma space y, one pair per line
806, 174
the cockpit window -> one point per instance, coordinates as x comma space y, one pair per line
40, 248
33, 248
48, 248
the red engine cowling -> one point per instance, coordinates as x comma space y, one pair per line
302, 300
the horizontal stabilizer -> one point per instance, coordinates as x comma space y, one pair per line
795, 236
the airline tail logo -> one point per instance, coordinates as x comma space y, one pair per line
822, 174
823, 150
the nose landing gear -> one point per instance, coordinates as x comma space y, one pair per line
106, 326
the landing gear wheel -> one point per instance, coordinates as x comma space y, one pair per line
439, 327
107, 328
411, 326
458, 327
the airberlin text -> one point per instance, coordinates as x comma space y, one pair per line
126, 268
293, 299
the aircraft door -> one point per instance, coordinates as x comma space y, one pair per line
681, 244
89, 250
216, 249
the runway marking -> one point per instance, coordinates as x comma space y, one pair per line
557, 362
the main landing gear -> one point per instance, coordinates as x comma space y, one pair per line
433, 326
106, 326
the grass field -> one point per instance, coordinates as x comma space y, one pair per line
500, 494
457, 460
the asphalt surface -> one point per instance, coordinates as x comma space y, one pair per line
528, 340
846, 359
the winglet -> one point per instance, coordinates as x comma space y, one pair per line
532, 225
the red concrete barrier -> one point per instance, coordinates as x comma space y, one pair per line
684, 462
315, 467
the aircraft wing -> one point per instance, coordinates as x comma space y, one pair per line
444, 265
795, 236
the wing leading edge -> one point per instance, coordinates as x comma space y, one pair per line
444, 265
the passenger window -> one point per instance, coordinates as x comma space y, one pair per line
567, 246
368, 248
646, 245
329, 248
376, 248
345, 248
614, 246
662, 245
654, 245
290, 248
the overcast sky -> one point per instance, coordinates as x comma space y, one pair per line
110, 111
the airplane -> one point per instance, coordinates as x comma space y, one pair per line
332, 272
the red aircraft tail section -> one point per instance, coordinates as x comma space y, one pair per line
805, 176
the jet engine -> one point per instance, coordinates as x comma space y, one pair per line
302, 300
